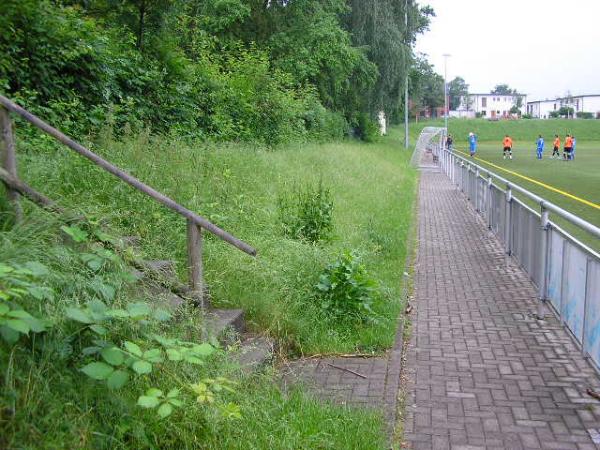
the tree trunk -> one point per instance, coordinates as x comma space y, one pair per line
140, 36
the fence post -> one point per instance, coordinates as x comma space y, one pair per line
9, 160
543, 255
489, 200
444, 165
196, 271
470, 182
462, 176
477, 190
507, 222
454, 164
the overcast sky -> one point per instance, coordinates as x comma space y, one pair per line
543, 48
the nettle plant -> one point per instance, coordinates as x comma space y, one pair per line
114, 358
346, 291
109, 353
116, 361
17, 284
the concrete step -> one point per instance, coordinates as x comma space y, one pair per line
162, 272
254, 352
165, 298
225, 324
129, 241
160, 268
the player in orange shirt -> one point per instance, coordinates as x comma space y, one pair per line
556, 147
568, 148
507, 144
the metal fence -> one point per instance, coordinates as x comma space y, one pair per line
565, 271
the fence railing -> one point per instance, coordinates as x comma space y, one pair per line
9, 176
565, 271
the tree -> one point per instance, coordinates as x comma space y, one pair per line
566, 111
503, 89
426, 87
378, 26
457, 89
307, 40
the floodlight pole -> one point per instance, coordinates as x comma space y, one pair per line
446, 55
406, 141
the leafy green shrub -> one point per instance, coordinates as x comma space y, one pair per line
367, 128
345, 289
526, 116
103, 338
322, 124
16, 284
307, 214
585, 115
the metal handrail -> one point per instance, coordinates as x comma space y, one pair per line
544, 204
127, 178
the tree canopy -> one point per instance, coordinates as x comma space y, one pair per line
426, 87
457, 88
503, 89
226, 69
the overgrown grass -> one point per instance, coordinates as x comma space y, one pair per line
237, 187
46, 402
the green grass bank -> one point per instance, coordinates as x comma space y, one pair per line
46, 400
237, 187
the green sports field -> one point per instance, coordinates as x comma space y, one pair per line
580, 178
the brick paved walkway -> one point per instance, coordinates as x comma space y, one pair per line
353, 381
484, 373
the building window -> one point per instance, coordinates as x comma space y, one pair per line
483, 113
555, 107
484, 102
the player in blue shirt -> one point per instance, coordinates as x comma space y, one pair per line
540, 147
574, 145
472, 144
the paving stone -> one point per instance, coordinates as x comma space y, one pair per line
480, 366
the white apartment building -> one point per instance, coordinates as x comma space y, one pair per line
490, 106
541, 109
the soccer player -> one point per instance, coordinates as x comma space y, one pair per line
568, 148
574, 145
556, 147
472, 144
540, 147
507, 144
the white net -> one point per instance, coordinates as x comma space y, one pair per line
431, 140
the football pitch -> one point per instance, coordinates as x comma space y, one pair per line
572, 185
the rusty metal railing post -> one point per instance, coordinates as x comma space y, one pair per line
195, 268
9, 159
